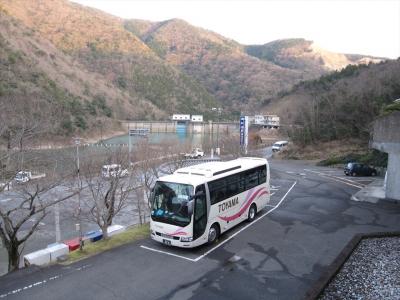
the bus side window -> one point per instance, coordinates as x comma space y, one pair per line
232, 185
251, 178
242, 182
217, 190
262, 174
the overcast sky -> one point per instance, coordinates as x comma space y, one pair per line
364, 27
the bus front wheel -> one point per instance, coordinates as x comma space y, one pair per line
252, 213
213, 234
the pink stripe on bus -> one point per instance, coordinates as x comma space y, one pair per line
247, 204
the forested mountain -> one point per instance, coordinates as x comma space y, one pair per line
34, 70
90, 66
218, 63
102, 46
300, 54
341, 104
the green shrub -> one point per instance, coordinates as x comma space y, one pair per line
372, 157
67, 126
80, 122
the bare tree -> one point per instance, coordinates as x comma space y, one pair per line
20, 220
230, 146
151, 163
147, 167
108, 193
20, 125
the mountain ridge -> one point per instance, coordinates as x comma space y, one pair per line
209, 57
102, 45
149, 70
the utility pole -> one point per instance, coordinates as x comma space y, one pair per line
130, 145
77, 143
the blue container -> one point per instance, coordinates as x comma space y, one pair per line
94, 236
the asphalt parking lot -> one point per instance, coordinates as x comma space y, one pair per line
278, 256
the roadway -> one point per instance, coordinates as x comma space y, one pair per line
278, 256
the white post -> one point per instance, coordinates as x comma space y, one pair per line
77, 143
146, 202
57, 221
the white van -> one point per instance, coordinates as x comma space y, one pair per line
278, 146
113, 170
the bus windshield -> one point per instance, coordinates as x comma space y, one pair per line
169, 203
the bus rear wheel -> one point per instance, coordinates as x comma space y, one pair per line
252, 213
213, 234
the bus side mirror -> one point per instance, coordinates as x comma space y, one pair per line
190, 205
197, 195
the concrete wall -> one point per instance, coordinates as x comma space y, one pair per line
170, 126
386, 138
387, 133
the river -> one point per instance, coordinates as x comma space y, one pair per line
195, 139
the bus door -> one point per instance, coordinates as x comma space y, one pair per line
200, 213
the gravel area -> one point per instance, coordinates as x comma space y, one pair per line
371, 272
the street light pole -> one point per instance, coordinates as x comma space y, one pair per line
77, 143
219, 111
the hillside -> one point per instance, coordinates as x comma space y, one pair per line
339, 105
100, 43
33, 69
108, 67
234, 73
300, 54
220, 64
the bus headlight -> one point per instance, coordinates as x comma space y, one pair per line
152, 232
186, 239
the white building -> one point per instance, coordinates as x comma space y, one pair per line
180, 117
197, 118
191, 118
271, 121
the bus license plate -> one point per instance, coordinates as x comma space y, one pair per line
166, 242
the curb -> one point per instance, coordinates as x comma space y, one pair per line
318, 287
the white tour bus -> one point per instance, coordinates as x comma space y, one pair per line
196, 204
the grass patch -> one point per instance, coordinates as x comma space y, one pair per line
128, 236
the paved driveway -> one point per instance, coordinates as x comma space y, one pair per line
279, 256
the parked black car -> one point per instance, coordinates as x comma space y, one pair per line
355, 169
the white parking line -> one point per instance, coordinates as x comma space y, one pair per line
167, 253
348, 180
248, 225
229, 238
40, 283
5, 200
338, 179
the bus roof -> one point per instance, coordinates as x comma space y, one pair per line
205, 172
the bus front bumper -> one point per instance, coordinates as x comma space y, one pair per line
170, 241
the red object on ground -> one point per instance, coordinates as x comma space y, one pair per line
72, 244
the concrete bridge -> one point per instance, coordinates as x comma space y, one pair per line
183, 126
386, 138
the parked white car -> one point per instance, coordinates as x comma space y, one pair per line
196, 153
25, 176
113, 170
278, 146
